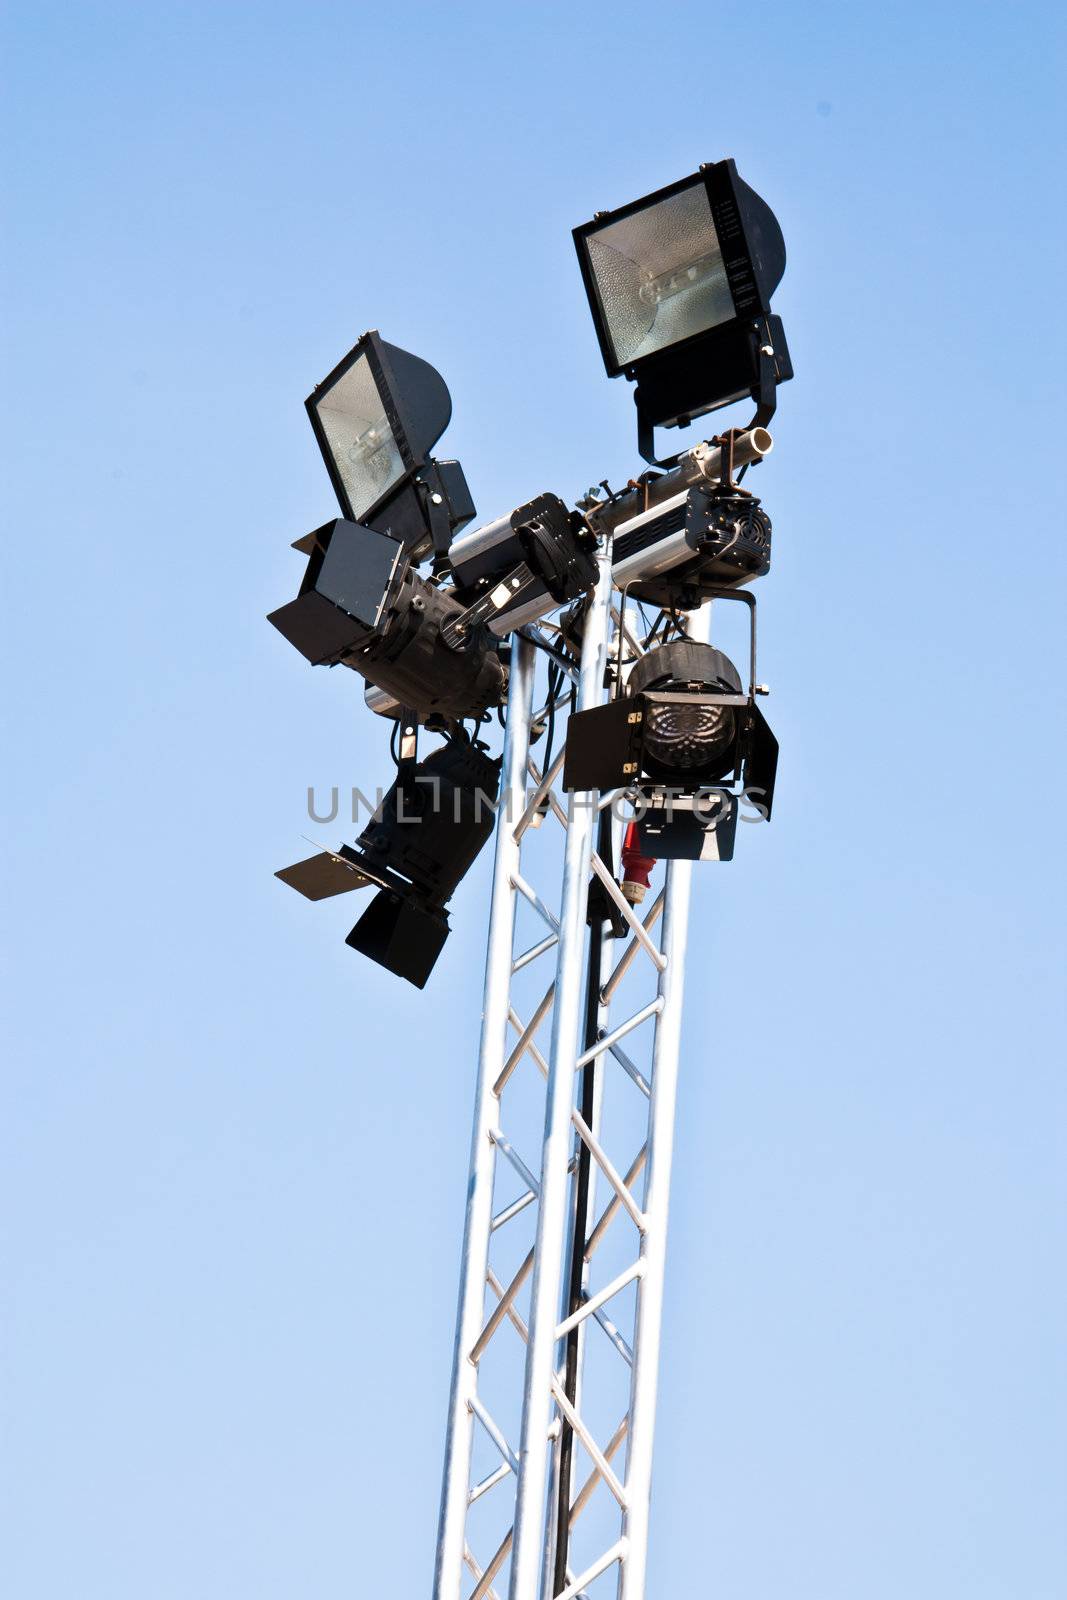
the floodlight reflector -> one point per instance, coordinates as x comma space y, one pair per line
659, 275
360, 438
376, 417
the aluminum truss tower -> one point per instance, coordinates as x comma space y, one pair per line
539, 1450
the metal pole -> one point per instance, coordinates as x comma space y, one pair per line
448, 1575
529, 1539
666, 1049
600, 945
665, 1055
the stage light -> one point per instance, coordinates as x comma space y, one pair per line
679, 285
543, 555
376, 417
421, 843
683, 724
720, 535
363, 604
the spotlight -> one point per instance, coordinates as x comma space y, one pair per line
522, 565
363, 604
683, 723
421, 842
720, 534
679, 285
376, 418
668, 527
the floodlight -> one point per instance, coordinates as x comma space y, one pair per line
363, 604
421, 842
376, 418
680, 285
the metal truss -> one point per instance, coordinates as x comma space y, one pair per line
553, 1398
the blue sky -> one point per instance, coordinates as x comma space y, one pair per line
235, 1154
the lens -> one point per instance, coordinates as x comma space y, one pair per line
685, 737
359, 437
659, 275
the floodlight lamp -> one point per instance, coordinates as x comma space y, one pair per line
376, 418
679, 285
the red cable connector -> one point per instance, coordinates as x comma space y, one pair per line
636, 867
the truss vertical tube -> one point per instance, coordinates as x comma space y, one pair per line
448, 1576
583, 1190
666, 1050
529, 1545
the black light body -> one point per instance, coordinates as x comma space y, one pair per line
423, 840
524, 564
555, 543
362, 603
435, 819
679, 285
432, 826
719, 535
376, 418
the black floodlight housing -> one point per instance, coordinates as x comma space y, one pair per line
683, 723
363, 604
421, 842
680, 285
376, 418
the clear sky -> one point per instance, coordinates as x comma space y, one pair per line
234, 1153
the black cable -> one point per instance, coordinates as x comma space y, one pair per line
581, 1223
555, 673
